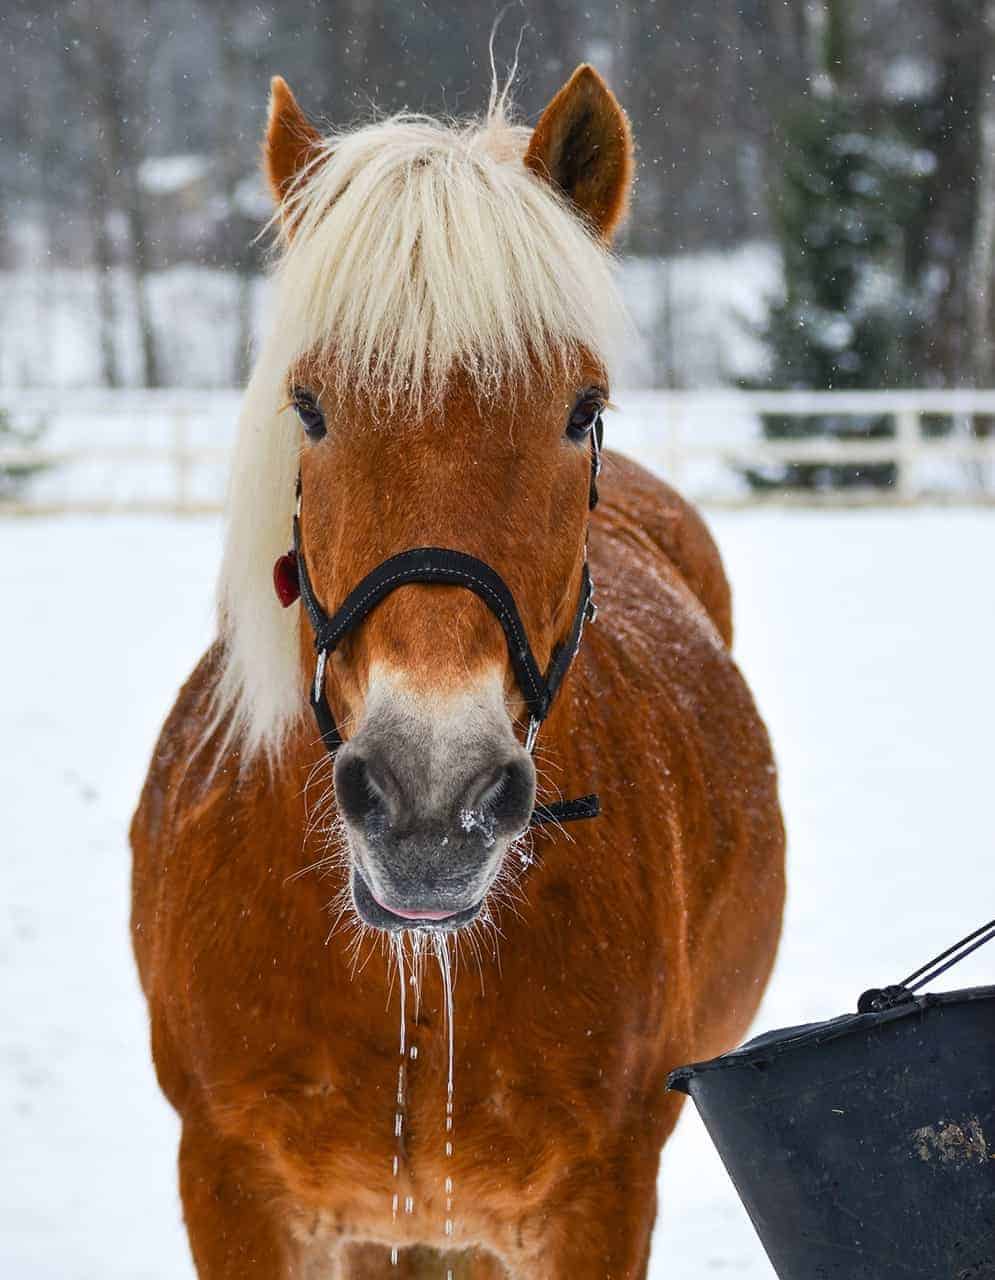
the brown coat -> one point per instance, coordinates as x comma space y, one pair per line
640, 940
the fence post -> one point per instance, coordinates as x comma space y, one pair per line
907, 444
673, 455
181, 461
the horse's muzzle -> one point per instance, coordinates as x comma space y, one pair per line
428, 832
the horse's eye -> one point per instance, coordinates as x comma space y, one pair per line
584, 415
307, 409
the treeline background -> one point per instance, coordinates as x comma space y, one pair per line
130, 130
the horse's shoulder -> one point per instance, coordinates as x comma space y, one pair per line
637, 509
183, 728
180, 762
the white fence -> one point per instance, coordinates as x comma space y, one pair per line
166, 451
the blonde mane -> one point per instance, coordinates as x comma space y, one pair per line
418, 250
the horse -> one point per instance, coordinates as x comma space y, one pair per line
413, 991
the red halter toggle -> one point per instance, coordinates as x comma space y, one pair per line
286, 579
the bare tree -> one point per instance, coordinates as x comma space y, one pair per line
112, 96
233, 169
938, 238
98, 179
983, 245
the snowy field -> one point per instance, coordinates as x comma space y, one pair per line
868, 638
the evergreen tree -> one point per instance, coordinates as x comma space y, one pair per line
846, 192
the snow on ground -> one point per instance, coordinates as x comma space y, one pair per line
868, 637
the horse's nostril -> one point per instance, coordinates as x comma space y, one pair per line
377, 783
361, 786
485, 790
505, 794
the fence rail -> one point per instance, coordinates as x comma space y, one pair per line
166, 451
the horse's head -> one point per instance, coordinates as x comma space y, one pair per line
444, 305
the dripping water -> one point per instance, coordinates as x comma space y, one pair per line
400, 1099
446, 974
409, 1053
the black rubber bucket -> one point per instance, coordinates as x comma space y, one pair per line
864, 1148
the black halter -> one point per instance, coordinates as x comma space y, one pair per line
445, 567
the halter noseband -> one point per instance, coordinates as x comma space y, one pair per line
445, 567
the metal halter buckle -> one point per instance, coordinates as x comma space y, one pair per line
319, 673
592, 606
596, 444
533, 733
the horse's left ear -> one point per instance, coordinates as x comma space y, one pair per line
583, 146
291, 139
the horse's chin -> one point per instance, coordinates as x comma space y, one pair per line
379, 915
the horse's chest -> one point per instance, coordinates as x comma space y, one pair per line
303, 1056
355, 1126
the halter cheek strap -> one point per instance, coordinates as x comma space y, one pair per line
445, 567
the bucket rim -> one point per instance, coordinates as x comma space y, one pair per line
783, 1041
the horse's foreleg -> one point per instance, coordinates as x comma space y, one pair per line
231, 1209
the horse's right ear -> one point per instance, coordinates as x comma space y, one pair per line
291, 139
582, 145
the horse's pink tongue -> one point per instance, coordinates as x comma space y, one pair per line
415, 915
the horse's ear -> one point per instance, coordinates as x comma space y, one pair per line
291, 139
583, 146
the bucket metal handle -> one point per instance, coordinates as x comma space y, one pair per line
878, 999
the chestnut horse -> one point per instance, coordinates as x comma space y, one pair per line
437, 366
